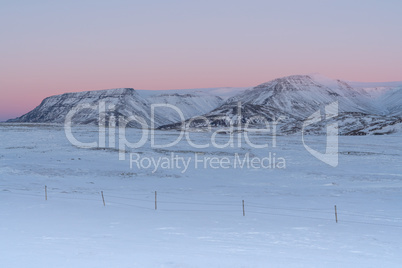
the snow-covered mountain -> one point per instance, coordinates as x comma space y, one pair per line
297, 97
54, 109
121, 103
349, 123
222, 92
300, 95
190, 105
362, 109
390, 102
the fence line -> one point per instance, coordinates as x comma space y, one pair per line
110, 201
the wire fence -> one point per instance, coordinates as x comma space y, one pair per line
180, 204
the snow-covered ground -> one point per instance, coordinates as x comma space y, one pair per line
289, 212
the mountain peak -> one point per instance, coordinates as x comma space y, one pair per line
306, 80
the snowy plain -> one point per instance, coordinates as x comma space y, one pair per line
289, 212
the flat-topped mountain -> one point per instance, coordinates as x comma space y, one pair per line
119, 102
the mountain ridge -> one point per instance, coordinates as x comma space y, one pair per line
294, 97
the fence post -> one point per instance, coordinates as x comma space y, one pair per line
336, 215
103, 199
244, 212
156, 205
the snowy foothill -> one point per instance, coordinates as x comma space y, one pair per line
165, 217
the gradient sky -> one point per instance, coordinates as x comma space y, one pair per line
52, 47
